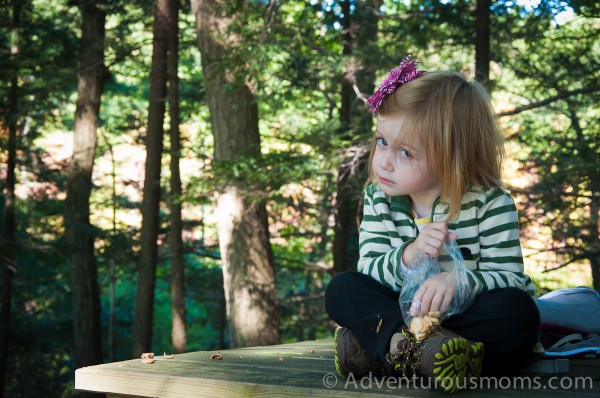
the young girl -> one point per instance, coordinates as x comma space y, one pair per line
435, 169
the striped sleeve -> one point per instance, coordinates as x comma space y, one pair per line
378, 258
501, 260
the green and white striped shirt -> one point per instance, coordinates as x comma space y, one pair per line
487, 226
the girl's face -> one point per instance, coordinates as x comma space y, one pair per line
399, 166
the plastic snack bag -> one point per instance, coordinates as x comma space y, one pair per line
426, 266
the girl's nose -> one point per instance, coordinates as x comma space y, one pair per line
386, 161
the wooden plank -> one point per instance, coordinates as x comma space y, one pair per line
288, 370
291, 370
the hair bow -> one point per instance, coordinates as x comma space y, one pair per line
405, 72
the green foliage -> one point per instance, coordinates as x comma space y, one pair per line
41, 322
562, 138
205, 305
293, 55
300, 301
44, 46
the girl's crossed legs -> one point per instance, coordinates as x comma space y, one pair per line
505, 320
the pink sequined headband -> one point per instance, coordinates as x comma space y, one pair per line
405, 72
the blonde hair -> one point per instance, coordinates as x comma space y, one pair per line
455, 122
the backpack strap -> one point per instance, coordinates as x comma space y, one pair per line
588, 346
569, 339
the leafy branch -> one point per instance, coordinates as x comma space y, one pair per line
559, 96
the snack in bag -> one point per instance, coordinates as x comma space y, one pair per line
421, 325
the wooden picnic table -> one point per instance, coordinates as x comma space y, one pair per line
303, 369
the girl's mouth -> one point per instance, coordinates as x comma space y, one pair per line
385, 181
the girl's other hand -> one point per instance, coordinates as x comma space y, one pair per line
436, 293
430, 241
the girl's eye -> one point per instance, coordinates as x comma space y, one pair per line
381, 141
405, 154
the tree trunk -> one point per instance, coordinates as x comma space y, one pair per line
247, 262
595, 265
349, 77
482, 42
178, 332
359, 36
7, 259
78, 230
593, 242
112, 315
144, 309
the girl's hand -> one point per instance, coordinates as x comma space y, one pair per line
429, 241
435, 294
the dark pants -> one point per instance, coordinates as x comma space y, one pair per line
505, 320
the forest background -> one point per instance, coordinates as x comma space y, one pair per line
188, 176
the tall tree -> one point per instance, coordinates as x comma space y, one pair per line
144, 309
359, 37
178, 331
246, 256
482, 41
7, 259
78, 230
